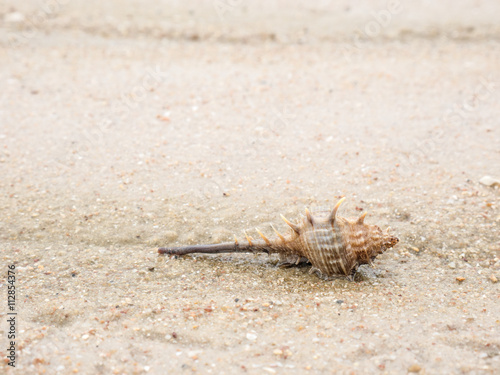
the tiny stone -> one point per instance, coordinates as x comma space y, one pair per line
251, 336
414, 368
460, 279
278, 352
452, 265
493, 279
339, 301
14, 17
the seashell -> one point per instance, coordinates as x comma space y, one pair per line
335, 246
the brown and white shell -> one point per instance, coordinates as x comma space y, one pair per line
335, 246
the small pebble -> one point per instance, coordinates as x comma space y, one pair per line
493, 279
14, 17
452, 265
414, 368
269, 370
460, 279
251, 336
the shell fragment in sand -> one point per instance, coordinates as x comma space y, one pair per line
490, 181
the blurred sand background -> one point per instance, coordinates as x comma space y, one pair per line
128, 125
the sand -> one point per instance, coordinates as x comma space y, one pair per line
125, 126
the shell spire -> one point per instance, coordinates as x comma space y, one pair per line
295, 227
333, 214
309, 217
361, 219
266, 240
249, 239
280, 236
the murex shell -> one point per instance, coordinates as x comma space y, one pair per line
335, 246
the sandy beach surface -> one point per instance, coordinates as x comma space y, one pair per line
129, 125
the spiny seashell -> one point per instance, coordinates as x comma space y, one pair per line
335, 246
